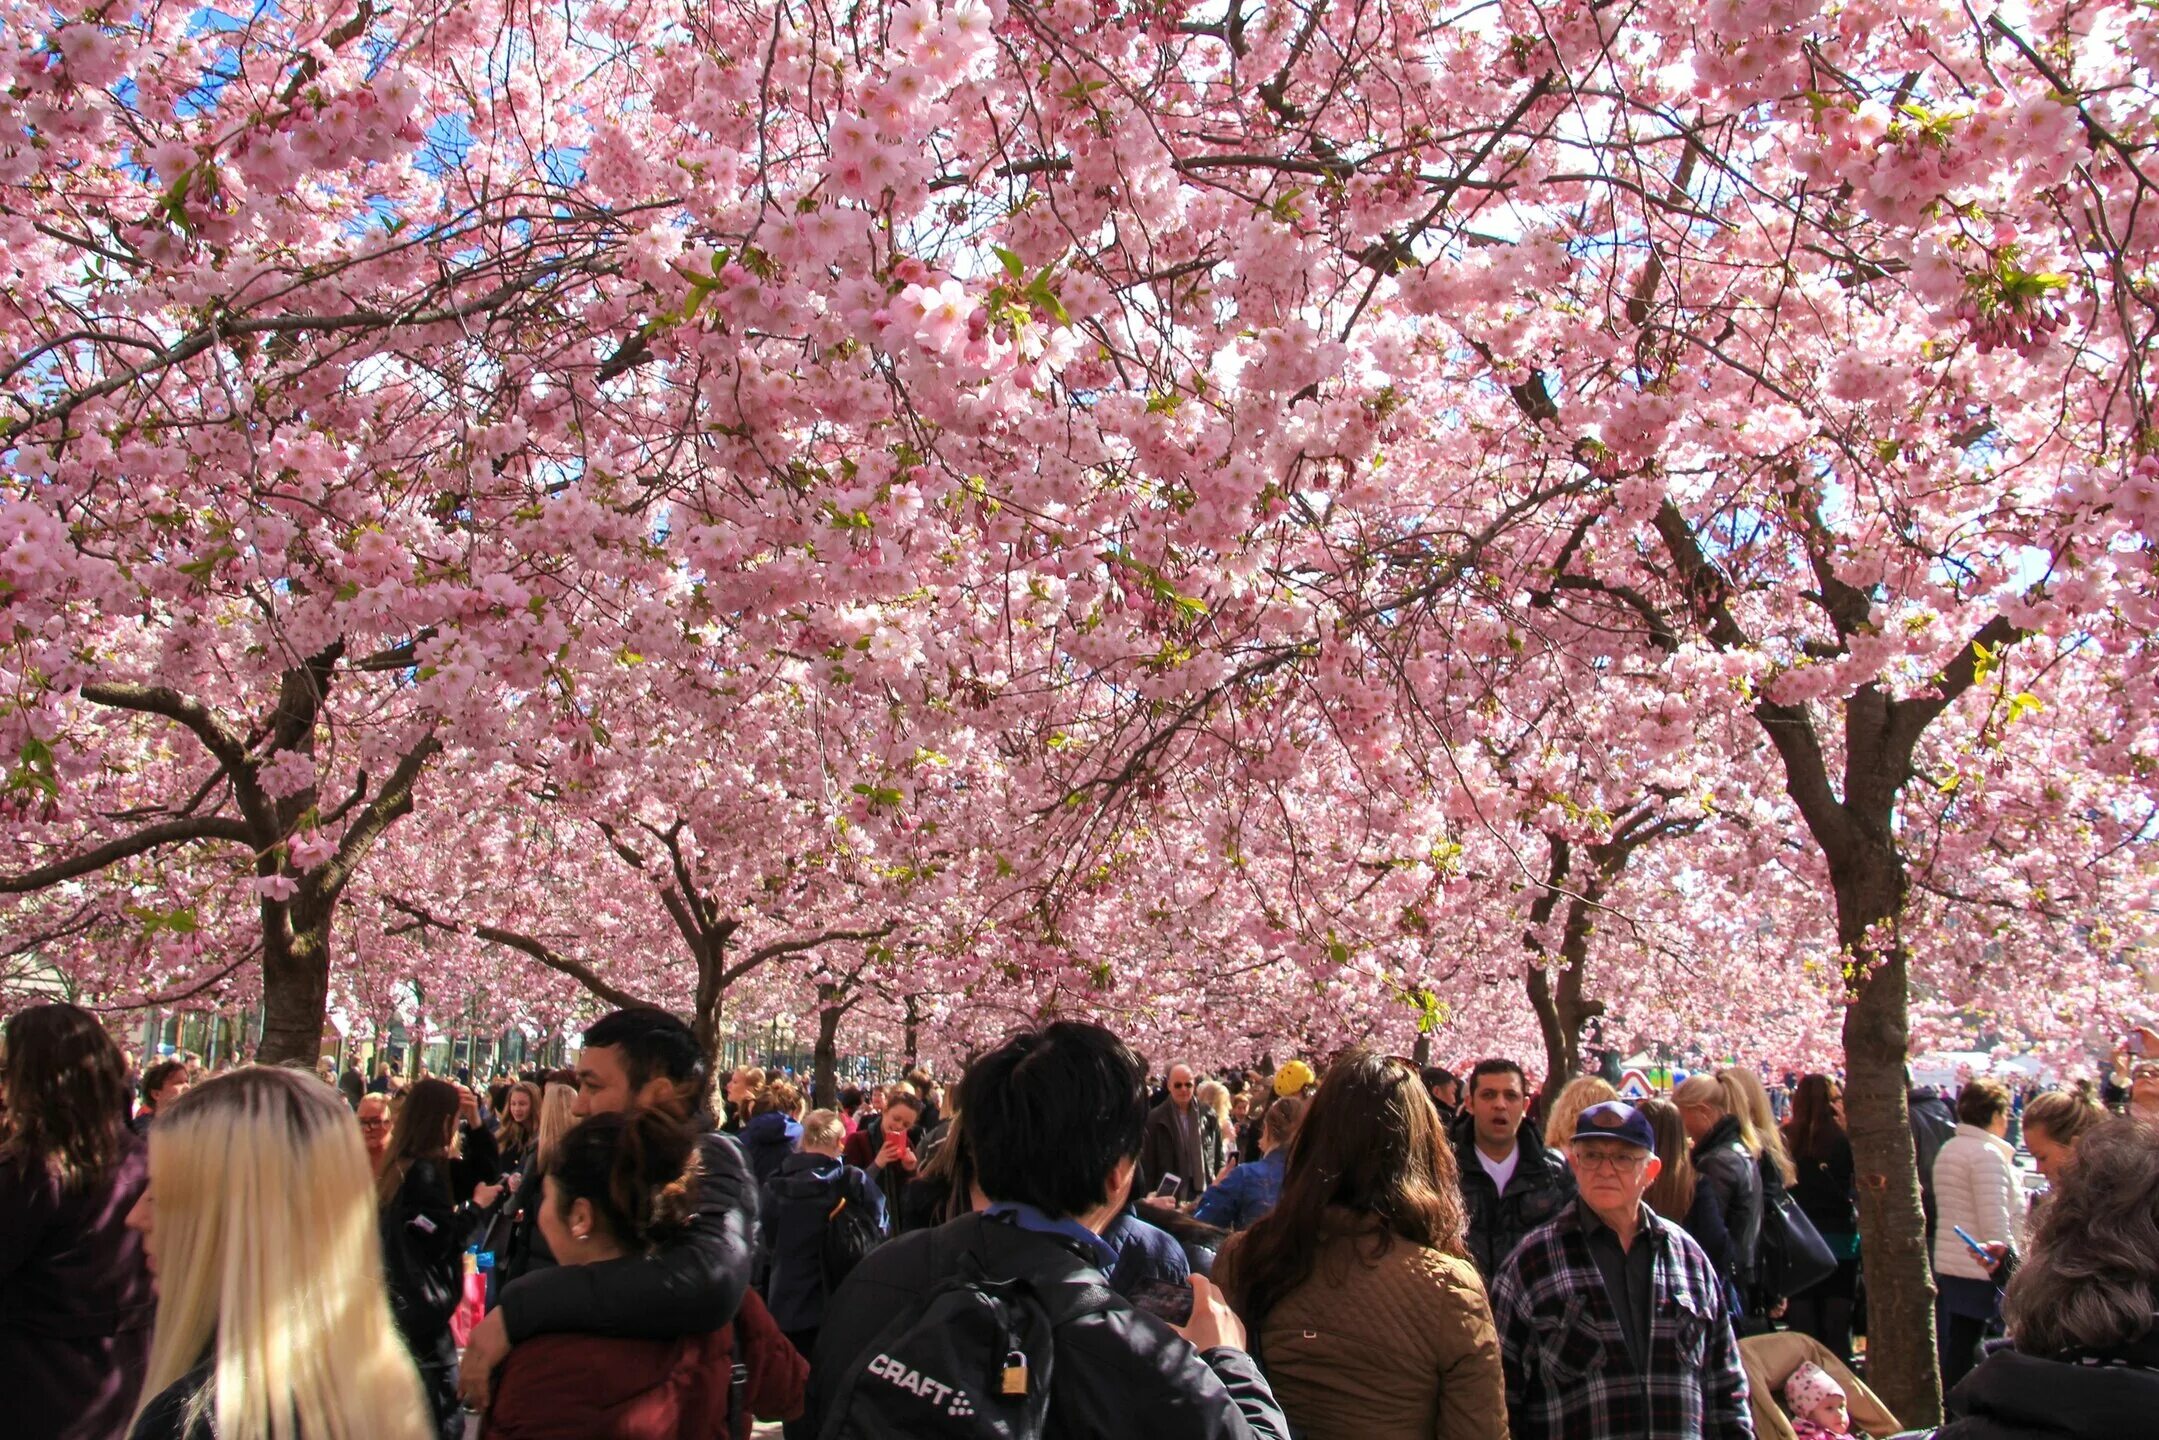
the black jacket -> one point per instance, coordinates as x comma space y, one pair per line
161, 1418
1165, 1150
1722, 1158
1932, 1122
424, 1234
479, 1162
522, 1248
1825, 1189
691, 1285
1539, 1189
1119, 1372
2022, 1397
791, 1215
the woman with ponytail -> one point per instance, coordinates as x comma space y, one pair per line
259, 1227
622, 1184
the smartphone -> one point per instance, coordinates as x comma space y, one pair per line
1165, 1300
1972, 1245
1167, 1188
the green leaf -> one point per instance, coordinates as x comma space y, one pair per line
1014, 266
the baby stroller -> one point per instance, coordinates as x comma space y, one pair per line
1769, 1361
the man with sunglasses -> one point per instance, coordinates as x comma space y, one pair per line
1611, 1320
1176, 1143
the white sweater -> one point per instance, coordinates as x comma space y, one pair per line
1975, 1185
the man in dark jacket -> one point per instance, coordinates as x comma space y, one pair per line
634, 1059
1511, 1183
1053, 1121
1176, 1142
1933, 1122
1446, 1093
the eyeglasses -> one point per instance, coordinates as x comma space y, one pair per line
374, 1124
1180, 1085
2144, 1072
1612, 1162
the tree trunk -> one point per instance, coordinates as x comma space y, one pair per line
705, 1029
912, 1017
1420, 1050
824, 1084
1901, 1361
1562, 1012
1562, 1042
295, 978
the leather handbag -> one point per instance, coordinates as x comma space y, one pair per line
1794, 1256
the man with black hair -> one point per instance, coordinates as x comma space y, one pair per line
1446, 1092
636, 1060
1511, 1183
1053, 1120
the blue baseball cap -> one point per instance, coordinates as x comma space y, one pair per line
1616, 1120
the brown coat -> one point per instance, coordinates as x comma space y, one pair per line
1400, 1347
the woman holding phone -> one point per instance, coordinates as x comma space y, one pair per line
1980, 1205
897, 1158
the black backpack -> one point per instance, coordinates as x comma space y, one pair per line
850, 1233
972, 1360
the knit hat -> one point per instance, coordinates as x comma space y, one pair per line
1294, 1079
1809, 1387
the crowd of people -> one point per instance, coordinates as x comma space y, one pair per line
1053, 1246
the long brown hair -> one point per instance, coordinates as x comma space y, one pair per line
1371, 1143
426, 1123
1813, 1131
517, 1139
1671, 1194
66, 1095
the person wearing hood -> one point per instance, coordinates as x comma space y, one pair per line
770, 1135
1511, 1183
2083, 1359
798, 1203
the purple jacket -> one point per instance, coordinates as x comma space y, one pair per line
75, 1301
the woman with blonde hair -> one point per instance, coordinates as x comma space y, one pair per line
259, 1225
2054, 1121
1723, 1157
1219, 1144
1575, 1096
1750, 1102
525, 1248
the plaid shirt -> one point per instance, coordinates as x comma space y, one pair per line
1568, 1373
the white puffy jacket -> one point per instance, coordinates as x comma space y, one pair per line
1975, 1185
